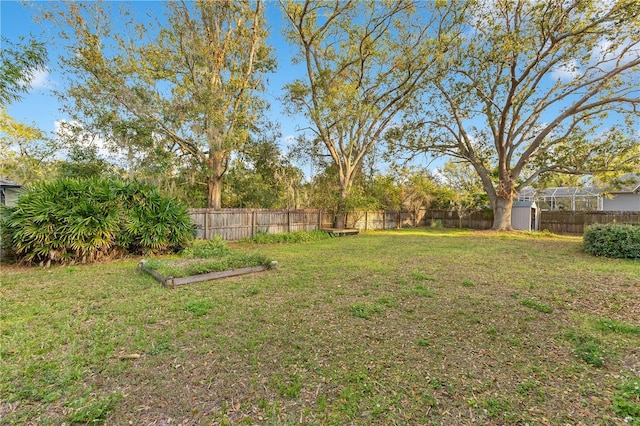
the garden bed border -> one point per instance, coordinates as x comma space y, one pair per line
173, 282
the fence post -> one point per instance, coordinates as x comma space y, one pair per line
206, 224
254, 219
319, 219
366, 220
288, 221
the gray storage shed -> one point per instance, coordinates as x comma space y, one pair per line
525, 216
9, 192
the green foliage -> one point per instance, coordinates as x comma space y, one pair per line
84, 162
18, 66
587, 348
84, 220
88, 411
199, 307
626, 401
613, 240
538, 306
614, 326
291, 237
206, 249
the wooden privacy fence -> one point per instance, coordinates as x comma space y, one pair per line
236, 224
574, 222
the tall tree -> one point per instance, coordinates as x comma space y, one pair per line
364, 62
186, 83
534, 88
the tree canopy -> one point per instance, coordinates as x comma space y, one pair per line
531, 88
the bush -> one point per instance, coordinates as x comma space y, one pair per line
262, 237
206, 249
613, 240
83, 220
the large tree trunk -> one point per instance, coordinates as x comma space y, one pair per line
340, 219
502, 214
215, 166
214, 191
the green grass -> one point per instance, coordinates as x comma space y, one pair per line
536, 305
370, 330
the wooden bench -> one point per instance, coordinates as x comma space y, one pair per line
335, 232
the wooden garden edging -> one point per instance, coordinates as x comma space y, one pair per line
173, 282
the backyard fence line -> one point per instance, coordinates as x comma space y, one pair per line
574, 222
238, 224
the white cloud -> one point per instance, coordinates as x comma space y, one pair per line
566, 71
40, 79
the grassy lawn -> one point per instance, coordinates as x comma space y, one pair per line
399, 327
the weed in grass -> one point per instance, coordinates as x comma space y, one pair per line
626, 401
526, 387
620, 327
538, 306
421, 276
199, 308
492, 331
468, 283
387, 301
251, 291
422, 291
365, 310
423, 342
161, 348
495, 407
89, 411
587, 349
288, 387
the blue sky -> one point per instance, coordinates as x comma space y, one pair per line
41, 107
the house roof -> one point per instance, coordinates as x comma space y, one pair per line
4, 183
529, 204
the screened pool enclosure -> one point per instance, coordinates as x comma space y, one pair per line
564, 198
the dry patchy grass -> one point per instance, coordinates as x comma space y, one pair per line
398, 327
